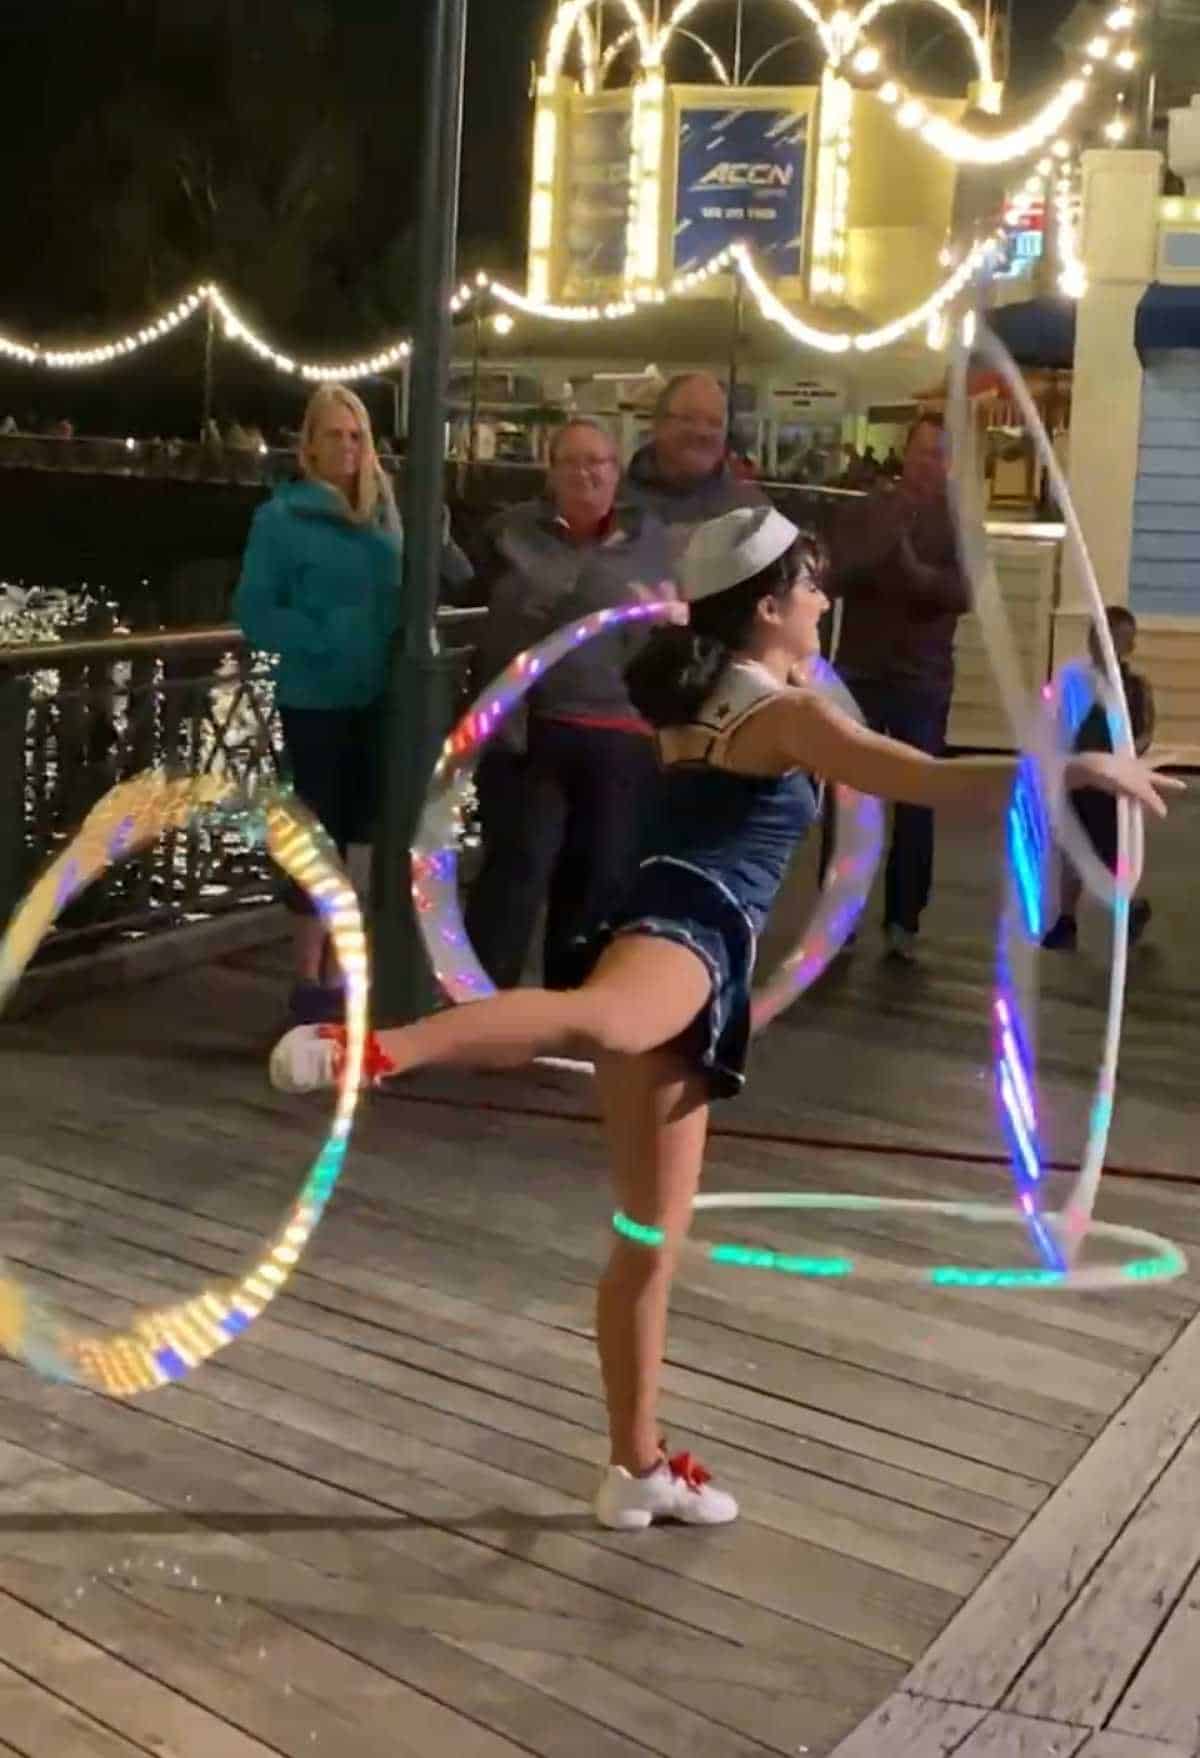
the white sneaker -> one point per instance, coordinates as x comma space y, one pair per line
308, 1059
677, 1489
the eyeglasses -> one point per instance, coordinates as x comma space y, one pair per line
591, 467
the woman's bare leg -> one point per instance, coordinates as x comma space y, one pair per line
656, 1117
643, 993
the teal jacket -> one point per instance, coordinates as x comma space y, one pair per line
323, 593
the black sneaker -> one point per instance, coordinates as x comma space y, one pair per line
1139, 920
1063, 936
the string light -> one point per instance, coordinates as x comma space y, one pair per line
965, 147
737, 258
965, 21
827, 275
842, 38
71, 359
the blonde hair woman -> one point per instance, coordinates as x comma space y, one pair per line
320, 589
337, 449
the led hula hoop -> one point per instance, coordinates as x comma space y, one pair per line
857, 843
167, 1343
1041, 814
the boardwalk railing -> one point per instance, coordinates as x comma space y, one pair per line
78, 716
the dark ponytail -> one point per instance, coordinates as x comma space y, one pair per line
679, 667
675, 673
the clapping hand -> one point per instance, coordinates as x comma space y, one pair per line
665, 592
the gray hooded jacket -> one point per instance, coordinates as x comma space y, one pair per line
535, 579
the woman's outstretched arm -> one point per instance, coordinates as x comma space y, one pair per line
802, 730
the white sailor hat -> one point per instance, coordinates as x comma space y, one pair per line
733, 548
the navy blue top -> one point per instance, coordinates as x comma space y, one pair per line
739, 831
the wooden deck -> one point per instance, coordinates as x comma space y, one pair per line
971, 1521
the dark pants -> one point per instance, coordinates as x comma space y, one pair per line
333, 757
916, 715
563, 825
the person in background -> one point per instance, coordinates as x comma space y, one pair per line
895, 566
742, 465
563, 798
1097, 811
320, 587
682, 475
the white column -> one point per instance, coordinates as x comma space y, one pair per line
1118, 246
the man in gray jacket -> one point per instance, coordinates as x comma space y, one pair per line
683, 474
563, 794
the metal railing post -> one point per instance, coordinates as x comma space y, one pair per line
14, 721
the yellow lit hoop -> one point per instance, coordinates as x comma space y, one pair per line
167, 1343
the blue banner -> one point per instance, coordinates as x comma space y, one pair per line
741, 176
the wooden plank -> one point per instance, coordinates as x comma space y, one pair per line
1110, 1745
987, 1646
784, 1719
1084, 1666
335, 1675
622, 1704
279, 1711
111, 1692
41, 1725
907, 1726
1162, 1701
1017, 1736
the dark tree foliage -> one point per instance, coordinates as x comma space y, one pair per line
268, 143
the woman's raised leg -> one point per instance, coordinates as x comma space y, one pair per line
643, 992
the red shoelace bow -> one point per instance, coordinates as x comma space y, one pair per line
690, 1471
376, 1061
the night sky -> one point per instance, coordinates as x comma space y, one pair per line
272, 143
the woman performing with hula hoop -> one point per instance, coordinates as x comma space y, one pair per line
665, 1011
